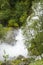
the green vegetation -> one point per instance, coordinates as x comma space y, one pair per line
13, 13
39, 62
16, 62
22, 62
0, 62
34, 31
37, 36
3, 31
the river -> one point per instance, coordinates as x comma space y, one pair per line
16, 49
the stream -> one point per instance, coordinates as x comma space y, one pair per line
16, 49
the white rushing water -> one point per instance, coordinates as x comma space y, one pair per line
18, 49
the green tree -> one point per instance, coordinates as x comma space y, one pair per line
14, 11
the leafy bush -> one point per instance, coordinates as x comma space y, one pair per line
39, 62
4, 14
12, 23
3, 31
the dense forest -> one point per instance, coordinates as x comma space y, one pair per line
13, 13
28, 16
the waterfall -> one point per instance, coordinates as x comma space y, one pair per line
14, 50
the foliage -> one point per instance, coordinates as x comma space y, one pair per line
34, 31
12, 23
39, 62
24, 61
13, 9
0, 62
18, 62
4, 15
13, 13
2, 31
37, 36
